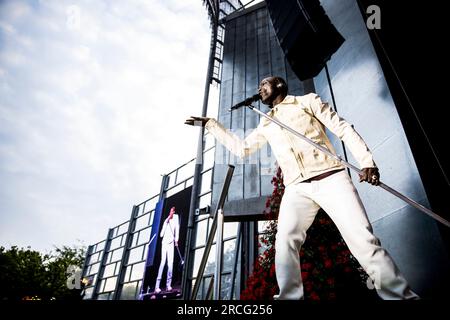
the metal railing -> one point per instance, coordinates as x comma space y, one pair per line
217, 225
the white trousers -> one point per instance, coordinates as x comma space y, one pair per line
336, 195
166, 255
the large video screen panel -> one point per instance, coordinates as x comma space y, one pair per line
166, 253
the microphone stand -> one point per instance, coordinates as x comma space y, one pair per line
352, 167
178, 249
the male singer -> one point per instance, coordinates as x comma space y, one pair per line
169, 234
314, 180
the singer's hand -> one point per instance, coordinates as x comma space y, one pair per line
197, 121
370, 175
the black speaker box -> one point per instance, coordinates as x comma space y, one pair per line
305, 33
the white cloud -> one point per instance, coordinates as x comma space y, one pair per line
93, 96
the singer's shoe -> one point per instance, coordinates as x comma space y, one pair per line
169, 288
157, 290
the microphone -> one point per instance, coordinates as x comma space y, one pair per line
246, 102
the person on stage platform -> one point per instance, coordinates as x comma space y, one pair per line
314, 180
169, 234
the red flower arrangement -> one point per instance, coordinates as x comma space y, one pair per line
328, 269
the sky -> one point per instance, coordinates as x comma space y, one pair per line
93, 97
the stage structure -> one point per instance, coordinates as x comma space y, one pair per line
353, 82
118, 266
244, 49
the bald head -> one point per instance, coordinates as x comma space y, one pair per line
272, 90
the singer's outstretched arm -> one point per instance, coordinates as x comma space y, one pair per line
196, 121
232, 142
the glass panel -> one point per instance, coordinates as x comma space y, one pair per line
206, 282
230, 229
107, 257
175, 190
145, 252
225, 290
123, 228
171, 179
200, 238
197, 259
140, 290
150, 204
102, 285
100, 246
144, 236
206, 181
128, 291
210, 222
134, 239
141, 209
205, 200
94, 278
114, 231
236, 294
94, 268
94, 258
185, 172
118, 264
208, 159
110, 284
229, 249
103, 296
138, 271
115, 243
127, 273
109, 270
88, 293
200, 290
211, 264
87, 271
209, 141
117, 255
135, 254
141, 222
152, 215
189, 183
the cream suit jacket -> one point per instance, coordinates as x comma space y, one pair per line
298, 160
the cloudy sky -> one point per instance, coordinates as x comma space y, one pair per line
93, 96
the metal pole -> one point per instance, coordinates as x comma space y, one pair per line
350, 166
236, 257
219, 251
199, 162
125, 256
209, 291
209, 242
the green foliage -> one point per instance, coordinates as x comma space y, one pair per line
28, 274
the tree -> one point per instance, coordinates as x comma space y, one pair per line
28, 274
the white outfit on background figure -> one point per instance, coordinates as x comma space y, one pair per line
169, 235
302, 199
